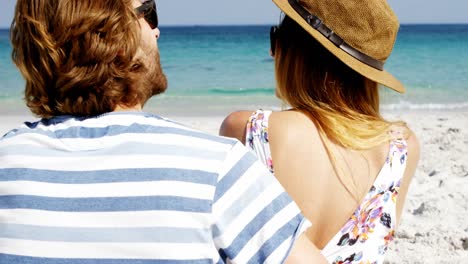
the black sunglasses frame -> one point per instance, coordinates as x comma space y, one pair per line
273, 36
149, 12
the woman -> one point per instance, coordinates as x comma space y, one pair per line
347, 168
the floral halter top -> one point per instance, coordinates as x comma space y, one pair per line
366, 235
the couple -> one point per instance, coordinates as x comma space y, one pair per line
97, 180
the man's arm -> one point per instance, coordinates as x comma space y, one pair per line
255, 220
305, 251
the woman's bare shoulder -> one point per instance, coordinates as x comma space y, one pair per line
293, 135
292, 127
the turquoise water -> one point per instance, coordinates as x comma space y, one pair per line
216, 67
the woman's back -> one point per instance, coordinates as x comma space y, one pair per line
350, 215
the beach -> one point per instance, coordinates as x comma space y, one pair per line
433, 226
212, 73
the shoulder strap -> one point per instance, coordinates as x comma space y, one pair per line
397, 158
258, 124
256, 137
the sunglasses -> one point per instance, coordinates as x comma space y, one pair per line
273, 36
148, 11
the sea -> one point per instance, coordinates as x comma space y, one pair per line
218, 69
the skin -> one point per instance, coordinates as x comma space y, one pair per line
303, 251
149, 45
304, 169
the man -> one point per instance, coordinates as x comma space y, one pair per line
99, 181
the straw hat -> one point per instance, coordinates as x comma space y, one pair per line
359, 33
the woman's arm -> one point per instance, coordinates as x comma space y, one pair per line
234, 125
411, 165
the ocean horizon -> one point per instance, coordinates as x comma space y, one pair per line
214, 68
269, 25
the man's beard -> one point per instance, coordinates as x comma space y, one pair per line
151, 80
155, 79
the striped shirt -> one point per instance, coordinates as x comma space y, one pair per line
134, 188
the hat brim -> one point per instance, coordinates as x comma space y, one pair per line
383, 77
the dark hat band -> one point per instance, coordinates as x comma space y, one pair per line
317, 24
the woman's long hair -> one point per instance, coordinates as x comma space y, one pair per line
343, 104
77, 56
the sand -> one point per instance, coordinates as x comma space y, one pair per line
434, 225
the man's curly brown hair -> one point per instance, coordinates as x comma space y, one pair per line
77, 56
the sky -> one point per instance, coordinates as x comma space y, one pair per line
253, 12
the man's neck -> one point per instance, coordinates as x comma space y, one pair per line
124, 108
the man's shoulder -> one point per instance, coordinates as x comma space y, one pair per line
116, 129
159, 124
